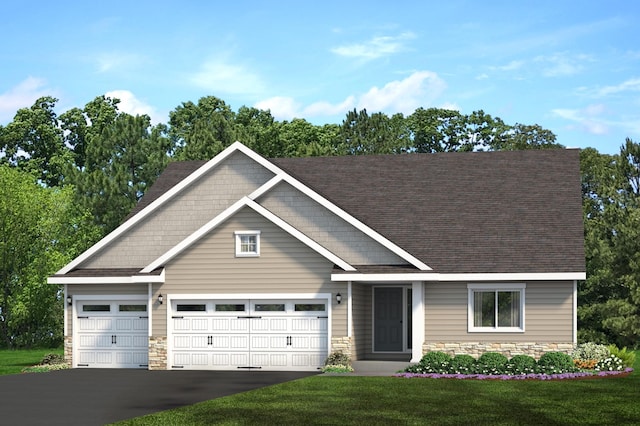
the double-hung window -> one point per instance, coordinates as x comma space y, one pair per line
247, 243
496, 307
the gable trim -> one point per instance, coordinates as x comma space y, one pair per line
229, 212
134, 279
236, 146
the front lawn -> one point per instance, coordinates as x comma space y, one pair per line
392, 400
13, 361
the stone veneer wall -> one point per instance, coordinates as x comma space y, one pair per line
341, 344
476, 349
68, 351
158, 353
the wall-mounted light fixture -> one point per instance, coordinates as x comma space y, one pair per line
339, 298
160, 299
69, 300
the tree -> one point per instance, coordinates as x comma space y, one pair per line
362, 133
33, 141
40, 230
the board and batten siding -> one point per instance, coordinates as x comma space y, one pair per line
181, 216
285, 265
107, 290
548, 314
324, 227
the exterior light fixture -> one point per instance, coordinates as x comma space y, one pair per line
339, 298
69, 300
160, 299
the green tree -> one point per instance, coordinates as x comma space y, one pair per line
41, 229
33, 141
362, 133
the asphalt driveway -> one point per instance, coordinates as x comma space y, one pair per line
96, 397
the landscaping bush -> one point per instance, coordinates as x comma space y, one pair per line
462, 364
51, 359
521, 364
337, 362
555, 363
610, 363
491, 363
590, 352
432, 362
627, 357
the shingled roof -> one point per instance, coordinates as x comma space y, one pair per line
479, 212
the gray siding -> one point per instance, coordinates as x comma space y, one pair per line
285, 265
326, 228
548, 314
361, 308
234, 178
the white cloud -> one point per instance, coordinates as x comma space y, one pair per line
511, 66
631, 85
376, 47
219, 76
22, 96
561, 64
115, 61
134, 106
587, 119
421, 88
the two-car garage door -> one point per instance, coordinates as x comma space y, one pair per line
233, 334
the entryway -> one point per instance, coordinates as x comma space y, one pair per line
392, 320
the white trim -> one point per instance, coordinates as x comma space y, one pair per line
134, 279
436, 277
575, 312
65, 329
236, 146
471, 328
246, 202
150, 308
349, 310
417, 320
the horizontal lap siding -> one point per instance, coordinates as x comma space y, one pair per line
178, 218
548, 314
285, 265
361, 297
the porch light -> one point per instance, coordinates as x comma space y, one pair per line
160, 299
69, 300
338, 298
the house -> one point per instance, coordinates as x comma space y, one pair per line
245, 262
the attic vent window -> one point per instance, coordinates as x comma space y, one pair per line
247, 243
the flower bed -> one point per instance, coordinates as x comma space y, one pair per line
532, 376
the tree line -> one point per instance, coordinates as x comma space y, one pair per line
67, 180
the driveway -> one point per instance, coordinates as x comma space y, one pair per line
96, 397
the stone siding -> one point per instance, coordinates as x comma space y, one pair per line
341, 344
476, 349
68, 351
158, 353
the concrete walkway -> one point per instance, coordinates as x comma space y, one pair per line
378, 368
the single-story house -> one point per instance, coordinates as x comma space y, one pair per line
244, 262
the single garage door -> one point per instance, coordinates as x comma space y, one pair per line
249, 334
112, 334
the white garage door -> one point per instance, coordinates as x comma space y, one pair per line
111, 334
248, 334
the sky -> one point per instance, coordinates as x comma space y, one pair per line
572, 67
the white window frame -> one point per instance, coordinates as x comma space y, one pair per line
239, 235
472, 288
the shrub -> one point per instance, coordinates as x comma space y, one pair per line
521, 364
50, 359
590, 351
555, 363
338, 358
491, 363
588, 364
611, 363
432, 362
627, 357
462, 364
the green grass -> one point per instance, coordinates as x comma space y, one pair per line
332, 400
13, 361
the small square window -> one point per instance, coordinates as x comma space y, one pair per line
247, 243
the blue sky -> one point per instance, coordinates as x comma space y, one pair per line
570, 66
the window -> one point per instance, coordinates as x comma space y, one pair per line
230, 307
247, 243
132, 308
269, 307
496, 307
195, 307
96, 308
310, 307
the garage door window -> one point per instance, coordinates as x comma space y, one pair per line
230, 307
96, 308
191, 307
132, 308
310, 307
269, 307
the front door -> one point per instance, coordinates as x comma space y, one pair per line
387, 319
